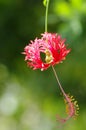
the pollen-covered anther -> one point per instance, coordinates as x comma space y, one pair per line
72, 106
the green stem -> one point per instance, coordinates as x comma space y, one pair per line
71, 108
46, 15
60, 86
46, 23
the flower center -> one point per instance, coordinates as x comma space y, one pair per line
48, 57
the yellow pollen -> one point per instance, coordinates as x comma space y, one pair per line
71, 106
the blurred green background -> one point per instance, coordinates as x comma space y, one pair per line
30, 100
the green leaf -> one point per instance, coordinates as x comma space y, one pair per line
44, 2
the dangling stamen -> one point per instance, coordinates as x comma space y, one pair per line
71, 105
71, 108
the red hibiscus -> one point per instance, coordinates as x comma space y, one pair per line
51, 45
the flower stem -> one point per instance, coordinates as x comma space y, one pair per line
46, 15
46, 23
60, 86
71, 105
